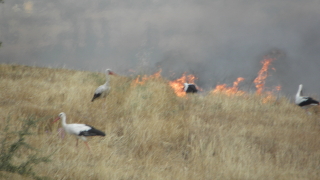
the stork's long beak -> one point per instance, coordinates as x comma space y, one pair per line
112, 73
56, 119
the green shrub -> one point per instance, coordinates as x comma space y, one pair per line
14, 145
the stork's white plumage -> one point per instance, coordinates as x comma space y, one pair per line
190, 88
104, 89
79, 130
304, 101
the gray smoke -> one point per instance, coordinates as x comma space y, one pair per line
217, 40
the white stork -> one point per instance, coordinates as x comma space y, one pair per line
304, 101
190, 88
104, 89
79, 130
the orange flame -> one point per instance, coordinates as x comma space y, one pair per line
269, 98
260, 81
145, 78
263, 74
177, 85
278, 88
271, 95
222, 88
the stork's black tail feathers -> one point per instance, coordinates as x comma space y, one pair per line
192, 89
95, 96
92, 132
309, 101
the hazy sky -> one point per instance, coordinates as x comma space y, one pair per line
217, 40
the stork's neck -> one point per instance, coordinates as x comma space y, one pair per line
299, 93
107, 78
63, 121
185, 86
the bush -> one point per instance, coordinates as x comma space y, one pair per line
13, 145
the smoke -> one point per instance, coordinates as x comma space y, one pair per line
217, 40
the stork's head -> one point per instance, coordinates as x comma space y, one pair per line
60, 116
110, 72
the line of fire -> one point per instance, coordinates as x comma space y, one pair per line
178, 84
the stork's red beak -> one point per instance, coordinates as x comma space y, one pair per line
56, 119
112, 73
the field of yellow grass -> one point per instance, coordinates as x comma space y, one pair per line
152, 134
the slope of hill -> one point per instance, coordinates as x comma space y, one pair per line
153, 134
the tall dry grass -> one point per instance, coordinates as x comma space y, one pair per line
153, 134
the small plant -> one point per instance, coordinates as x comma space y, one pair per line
13, 145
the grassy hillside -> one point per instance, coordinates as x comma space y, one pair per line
153, 134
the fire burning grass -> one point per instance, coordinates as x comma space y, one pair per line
178, 84
145, 78
259, 81
263, 74
142, 80
234, 90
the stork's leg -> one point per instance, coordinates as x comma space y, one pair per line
77, 142
87, 145
61, 133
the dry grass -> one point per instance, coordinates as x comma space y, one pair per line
153, 134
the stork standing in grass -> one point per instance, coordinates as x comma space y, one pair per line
104, 89
81, 131
190, 88
304, 101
